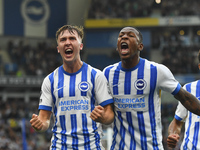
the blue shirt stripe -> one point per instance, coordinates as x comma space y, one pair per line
94, 125
74, 131
114, 136
141, 125
115, 82
153, 80
63, 135
72, 85
131, 131
107, 71
127, 83
197, 89
51, 78
84, 78
141, 73
140, 114
188, 88
93, 74
188, 131
122, 132
60, 82
85, 132
195, 137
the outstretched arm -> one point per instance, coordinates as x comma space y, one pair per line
41, 122
174, 131
189, 101
103, 115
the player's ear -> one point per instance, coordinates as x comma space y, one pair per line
140, 46
81, 46
199, 66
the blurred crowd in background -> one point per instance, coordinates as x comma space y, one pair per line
14, 113
141, 8
37, 60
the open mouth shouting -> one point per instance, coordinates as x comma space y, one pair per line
68, 51
124, 48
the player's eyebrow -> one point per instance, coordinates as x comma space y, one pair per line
134, 32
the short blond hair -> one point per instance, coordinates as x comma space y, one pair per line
71, 29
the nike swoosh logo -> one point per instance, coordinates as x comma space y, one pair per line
116, 84
61, 87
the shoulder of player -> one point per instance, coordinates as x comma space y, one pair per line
110, 67
193, 83
149, 64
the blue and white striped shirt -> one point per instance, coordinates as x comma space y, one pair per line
71, 97
136, 92
192, 122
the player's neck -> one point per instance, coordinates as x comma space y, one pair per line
72, 67
130, 63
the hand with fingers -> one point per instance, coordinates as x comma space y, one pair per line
98, 114
172, 140
36, 123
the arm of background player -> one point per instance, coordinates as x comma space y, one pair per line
189, 101
174, 131
104, 115
41, 122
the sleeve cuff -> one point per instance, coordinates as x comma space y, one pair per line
43, 107
177, 89
178, 118
109, 101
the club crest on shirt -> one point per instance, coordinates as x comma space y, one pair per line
140, 84
83, 86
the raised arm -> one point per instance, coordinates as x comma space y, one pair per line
41, 122
189, 101
174, 131
104, 115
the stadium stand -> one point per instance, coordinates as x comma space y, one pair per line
37, 60
141, 8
